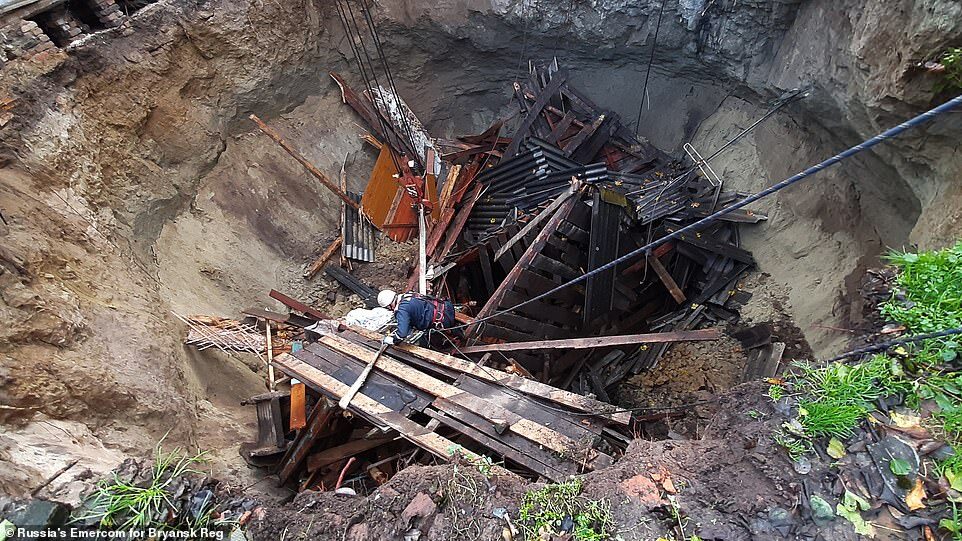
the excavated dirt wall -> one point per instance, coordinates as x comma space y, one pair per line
133, 183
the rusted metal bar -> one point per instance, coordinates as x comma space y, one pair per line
297, 305
311, 168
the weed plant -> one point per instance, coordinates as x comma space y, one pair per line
545, 511
119, 504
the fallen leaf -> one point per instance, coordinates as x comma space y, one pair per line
900, 466
929, 536
905, 421
835, 448
914, 498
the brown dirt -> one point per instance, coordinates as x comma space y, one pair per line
700, 474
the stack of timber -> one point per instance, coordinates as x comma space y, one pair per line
450, 408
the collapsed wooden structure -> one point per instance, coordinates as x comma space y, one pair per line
516, 213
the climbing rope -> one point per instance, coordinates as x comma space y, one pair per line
861, 147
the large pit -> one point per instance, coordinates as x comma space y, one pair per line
133, 185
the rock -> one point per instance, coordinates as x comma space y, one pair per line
39, 513
644, 490
346, 491
422, 506
822, 511
802, 466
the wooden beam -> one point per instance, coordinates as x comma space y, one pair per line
534, 222
533, 249
527, 386
533, 113
319, 263
297, 305
311, 168
602, 341
460, 218
422, 437
666, 279
344, 451
320, 417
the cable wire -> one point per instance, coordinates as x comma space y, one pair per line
651, 59
883, 346
861, 147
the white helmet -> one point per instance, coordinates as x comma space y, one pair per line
386, 298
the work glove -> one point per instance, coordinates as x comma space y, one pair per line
388, 340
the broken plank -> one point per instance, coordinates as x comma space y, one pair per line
666, 279
422, 437
602, 341
319, 263
344, 451
319, 419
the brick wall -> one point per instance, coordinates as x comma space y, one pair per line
23, 39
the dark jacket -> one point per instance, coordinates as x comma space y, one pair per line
417, 313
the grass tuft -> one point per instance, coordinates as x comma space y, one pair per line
544, 512
120, 504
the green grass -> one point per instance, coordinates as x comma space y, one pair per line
122, 504
834, 399
952, 79
543, 511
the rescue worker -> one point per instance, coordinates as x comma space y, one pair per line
414, 311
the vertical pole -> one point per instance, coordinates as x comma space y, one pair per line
270, 357
422, 252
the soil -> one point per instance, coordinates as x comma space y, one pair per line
698, 474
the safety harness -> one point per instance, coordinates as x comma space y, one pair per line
437, 320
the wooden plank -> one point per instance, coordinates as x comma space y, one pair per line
297, 305
484, 434
422, 437
561, 128
534, 222
535, 111
602, 341
344, 451
310, 167
586, 132
539, 434
460, 218
666, 279
298, 416
319, 263
320, 417
527, 386
533, 249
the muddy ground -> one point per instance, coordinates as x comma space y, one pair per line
731, 483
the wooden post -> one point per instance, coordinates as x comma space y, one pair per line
534, 249
303, 161
270, 357
319, 263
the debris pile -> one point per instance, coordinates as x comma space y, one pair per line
504, 218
